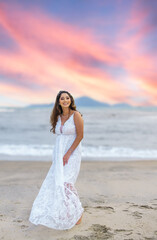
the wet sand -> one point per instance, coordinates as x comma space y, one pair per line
119, 198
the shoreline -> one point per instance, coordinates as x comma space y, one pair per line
84, 159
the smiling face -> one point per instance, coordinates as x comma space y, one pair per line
64, 100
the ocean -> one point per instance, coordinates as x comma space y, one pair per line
109, 134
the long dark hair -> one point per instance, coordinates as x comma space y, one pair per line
57, 109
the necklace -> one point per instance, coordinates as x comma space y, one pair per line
64, 116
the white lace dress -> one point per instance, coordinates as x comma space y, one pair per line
57, 204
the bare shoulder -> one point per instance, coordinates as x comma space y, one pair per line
77, 115
78, 118
79, 123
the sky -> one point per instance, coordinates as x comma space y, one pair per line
103, 49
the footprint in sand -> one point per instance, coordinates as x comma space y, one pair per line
137, 215
97, 231
134, 205
86, 208
125, 210
149, 238
18, 220
142, 206
109, 209
100, 232
124, 231
145, 207
24, 226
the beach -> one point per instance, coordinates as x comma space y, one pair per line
119, 199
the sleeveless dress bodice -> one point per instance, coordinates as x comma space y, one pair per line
57, 204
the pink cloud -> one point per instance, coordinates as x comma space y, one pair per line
140, 64
53, 55
49, 67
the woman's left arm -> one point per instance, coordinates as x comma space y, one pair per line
78, 120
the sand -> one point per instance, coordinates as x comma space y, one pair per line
119, 198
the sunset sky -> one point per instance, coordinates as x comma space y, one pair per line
101, 49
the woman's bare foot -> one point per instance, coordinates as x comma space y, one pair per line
79, 221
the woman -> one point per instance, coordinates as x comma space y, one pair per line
57, 204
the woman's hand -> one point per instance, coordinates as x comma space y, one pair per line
66, 157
